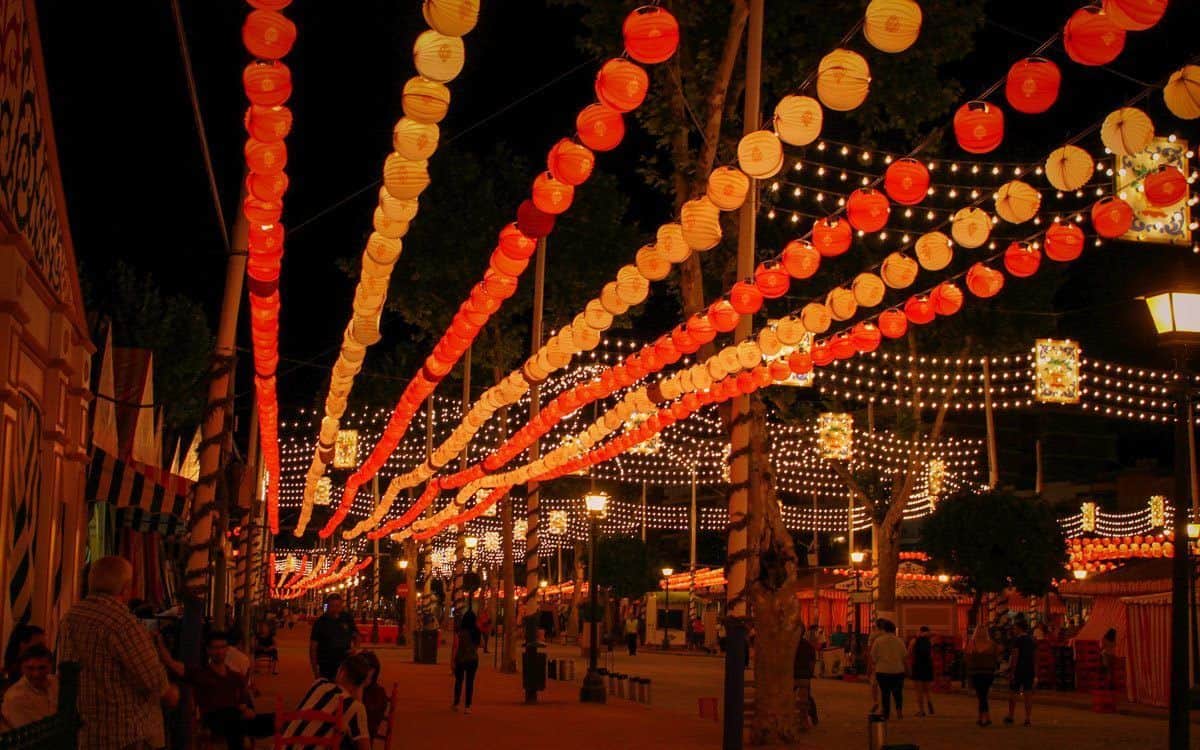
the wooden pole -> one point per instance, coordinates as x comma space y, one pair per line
1039, 476
643, 512
460, 537
533, 497
990, 420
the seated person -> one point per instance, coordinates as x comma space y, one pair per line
22, 637
264, 644
322, 696
235, 658
35, 695
374, 697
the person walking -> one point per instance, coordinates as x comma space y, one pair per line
982, 658
333, 635
466, 660
121, 680
803, 669
888, 655
1022, 661
1108, 659
921, 648
485, 629
631, 633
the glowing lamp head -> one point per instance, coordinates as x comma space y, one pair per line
1176, 315
857, 557
1079, 574
596, 502
943, 578
403, 564
543, 583
1193, 530
667, 572
471, 542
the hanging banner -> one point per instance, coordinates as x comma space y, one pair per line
835, 436
1162, 224
1056, 371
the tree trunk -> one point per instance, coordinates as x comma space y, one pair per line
573, 615
508, 645
888, 564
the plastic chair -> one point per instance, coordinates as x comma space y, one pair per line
389, 720
283, 718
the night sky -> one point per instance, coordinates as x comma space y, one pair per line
136, 187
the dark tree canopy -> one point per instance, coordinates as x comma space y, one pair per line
623, 563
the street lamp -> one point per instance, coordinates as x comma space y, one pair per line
1079, 573
593, 684
1176, 316
667, 607
856, 559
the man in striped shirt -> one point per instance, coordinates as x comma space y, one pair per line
325, 696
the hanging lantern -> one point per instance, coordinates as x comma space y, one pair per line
816, 318
601, 128
835, 436
268, 123
403, 178
892, 25
439, 57
345, 449
771, 279
652, 263
935, 478
800, 259
451, 17
842, 346
1165, 187
1135, 15
259, 211
868, 289
265, 158
1182, 92
424, 100
727, 188
866, 337
1112, 217
1064, 242
267, 187
1091, 38
867, 210
550, 195
841, 303
558, 522
532, 221
1022, 259
790, 331
622, 85
971, 227
570, 163
800, 362
1158, 511
760, 154
670, 238
906, 181
898, 271
831, 236
516, 244
984, 281
798, 120
651, 34
1069, 168
893, 323
722, 315
919, 310
701, 222
270, 4
821, 353
946, 298
268, 35
1056, 371
414, 140
632, 287
745, 298
267, 84
1127, 131
843, 80
979, 127
1032, 85
1017, 202
934, 251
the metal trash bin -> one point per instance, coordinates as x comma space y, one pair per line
876, 732
425, 647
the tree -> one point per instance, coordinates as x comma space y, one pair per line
623, 564
993, 540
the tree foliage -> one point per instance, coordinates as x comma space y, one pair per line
996, 540
624, 564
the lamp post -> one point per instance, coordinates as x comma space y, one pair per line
470, 580
856, 559
402, 610
1176, 316
593, 684
667, 607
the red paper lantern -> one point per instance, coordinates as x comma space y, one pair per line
600, 127
771, 279
260, 211
868, 210
947, 298
1112, 217
866, 337
821, 353
651, 34
800, 259
1135, 15
779, 370
683, 340
507, 265
893, 323
268, 35
747, 383
515, 244
622, 85
267, 84
701, 328
842, 347
267, 187
550, 195
1165, 187
984, 281
1022, 260
265, 158
268, 123
1064, 242
745, 298
1032, 85
800, 362
919, 310
501, 286
906, 181
724, 318
831, 236
265, 239
570, 163
979, 127
667, 351
1091, 38
532, 221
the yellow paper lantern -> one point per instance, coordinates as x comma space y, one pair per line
387, 226
383, 250
586, 336
597, 316
652, 263
816, 318
843, 80
404, 178
749, 354
934, 251
898, 271
1017, 202
892, 25
1069, 168
612, 302
970, 227
841, 303
415, 140
760, 154
701, 222
439, 57
727, 188
671, 242
798, 120
716, 367
768, 342
790, 330
451, 17
632, 287
424, 100
1182, 92
868, 289
701, 380
1127, 131
730, 362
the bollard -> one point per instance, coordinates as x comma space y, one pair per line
570, 669
647, 679
876, 732
643, 687
622, 682
612, 683
552, 669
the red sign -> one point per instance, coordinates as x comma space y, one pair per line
401, 589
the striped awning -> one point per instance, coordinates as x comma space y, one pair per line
126, 484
